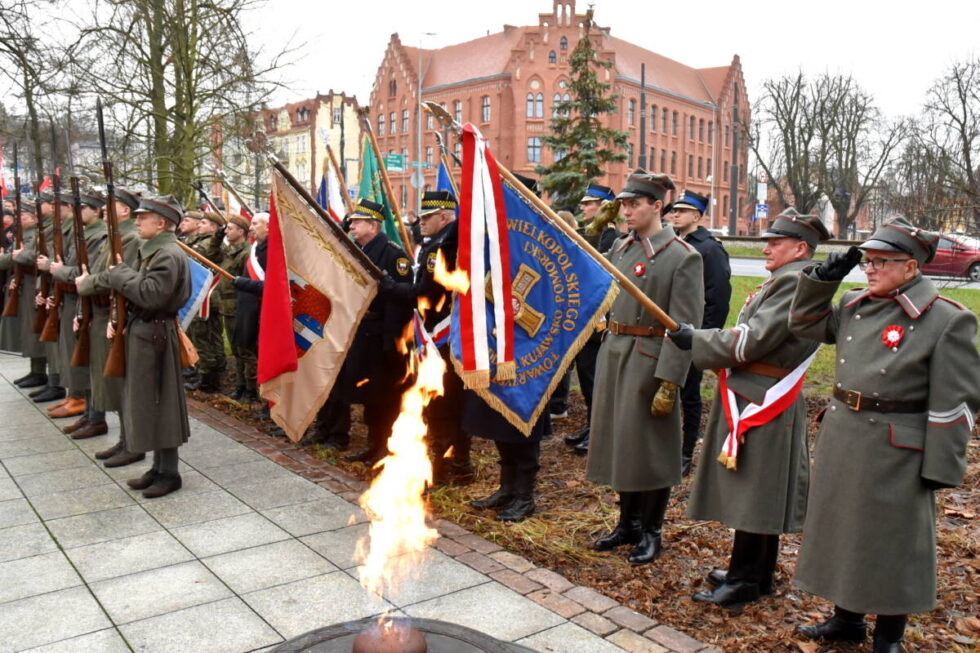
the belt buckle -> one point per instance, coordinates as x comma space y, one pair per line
853, 400
614, 328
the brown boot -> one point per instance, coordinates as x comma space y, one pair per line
90, 430
74, 426
123, 458
71, 409
144, 481
163, 485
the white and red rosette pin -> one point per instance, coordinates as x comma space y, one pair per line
892, 336
639, 269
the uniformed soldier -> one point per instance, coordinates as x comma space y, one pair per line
248, 304
153, 399
53, 391
379, 369
187, 231
685, 215
758, 484
443, 415
905, 398
107, 392
9, 329
206, 333
23, 322
636, 438
602, 234
234, 256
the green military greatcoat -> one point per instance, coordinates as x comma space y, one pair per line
766, 492
869, 541
632, 450
19, 330
154, 408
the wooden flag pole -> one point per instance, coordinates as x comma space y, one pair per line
624, 282
207, 263
406, 237
340, 177
444, 158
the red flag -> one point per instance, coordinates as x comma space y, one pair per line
46, 184
277, 355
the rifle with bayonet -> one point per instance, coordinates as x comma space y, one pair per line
52, 326
40, 249
207, 198
13, 293
115, 364
80, 355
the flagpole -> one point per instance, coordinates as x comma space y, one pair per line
231, 189
624, 282
204, 261
348, 202
444, 158
406, 238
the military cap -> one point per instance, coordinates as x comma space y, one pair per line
641, 183
691, 201
45, 196
92, 198
27, 205
597, 193
128, 197
166, 207
368, 210
529, 183
240, 221
898, 235
437, 200
193, 215
793, 224
216, 218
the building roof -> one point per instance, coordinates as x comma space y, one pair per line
453, 64
661, 72
714, 79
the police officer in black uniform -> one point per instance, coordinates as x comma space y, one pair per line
379, 369
685, 215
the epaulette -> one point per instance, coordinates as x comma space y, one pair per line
953, 302
686, 244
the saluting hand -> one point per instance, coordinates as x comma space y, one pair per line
683, 338
838, 264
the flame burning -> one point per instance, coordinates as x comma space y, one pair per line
456, 280
398, 533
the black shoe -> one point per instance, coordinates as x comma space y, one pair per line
32, 381
163, 484
575, 438
192, 384
582, 448
34, 393
686, 465
276, 433
144, 481
17, 382
836, 629
519, 509
504, 495
110, 452
730, 596
123, 458
50, 393
882, 645
237, 393
648, 549
367, 455
623, 534
716, 578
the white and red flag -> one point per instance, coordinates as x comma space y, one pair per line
316, 292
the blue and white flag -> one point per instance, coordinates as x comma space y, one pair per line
202, 283
445, 182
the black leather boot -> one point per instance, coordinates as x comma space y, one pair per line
582, 448
844, 626
49, 393
209, 382
889, 631
653, 508
629, 530
237, 393
522, 506
192, 381
575, 438
730, 595
504, 494
33, 380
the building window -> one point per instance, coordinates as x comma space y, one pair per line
726, 135
428, 121
559, 155
458, 111
724, 205
392, 125
663, 126
629, 155
652, 163
631, 113
485, 108
534, 150
405, 120
381, 125
673, 163
530, 105
663, 160
690, 165
338, 114
301, 143
563, 43
701, 130
673, 124
539, 105
711, 132
725, 172
428, 155
392, 88
653, 118
552, 57
708, 169
700, 168
554, 107
690, 128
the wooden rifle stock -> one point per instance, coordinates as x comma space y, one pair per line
13, 293
115, 364
41, 249
80, 355
52, 325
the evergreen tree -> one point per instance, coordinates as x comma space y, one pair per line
583, 146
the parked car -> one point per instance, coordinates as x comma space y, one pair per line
957, 256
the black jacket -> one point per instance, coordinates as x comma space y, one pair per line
424, 285
249, 305
717, 277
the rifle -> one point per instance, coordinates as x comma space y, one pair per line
231, 189
207, 198
115, 364
13, 295
40, 249
80, 355
52, 326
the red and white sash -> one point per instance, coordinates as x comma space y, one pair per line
777, 399
254, 268
483, 228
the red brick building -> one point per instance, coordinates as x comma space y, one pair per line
508, 83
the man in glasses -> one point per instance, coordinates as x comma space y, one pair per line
906, 393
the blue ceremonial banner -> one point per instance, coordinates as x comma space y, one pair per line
321, 194
201, 285
559, 292
445, 182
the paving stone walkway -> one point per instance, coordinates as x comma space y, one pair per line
257, 547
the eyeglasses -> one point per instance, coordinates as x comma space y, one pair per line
879, 263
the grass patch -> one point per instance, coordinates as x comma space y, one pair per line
747, 251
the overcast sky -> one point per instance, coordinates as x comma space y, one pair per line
895, 50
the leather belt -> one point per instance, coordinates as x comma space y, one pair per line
857, 401
763, 369
620, 329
